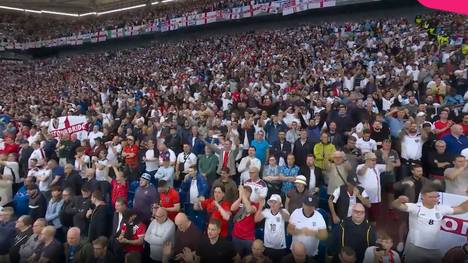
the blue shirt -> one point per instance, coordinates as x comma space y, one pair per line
454, 145
395, 125
288, 172
261, 148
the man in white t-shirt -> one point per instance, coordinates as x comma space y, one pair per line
94, 134
365, 143
306, 225
425, 220
274, 235
151, 160
246, 163
369, 176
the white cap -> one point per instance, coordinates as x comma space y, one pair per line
300, 179
276, 198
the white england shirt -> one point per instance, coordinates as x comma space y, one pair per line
424, 224
315, 222
274, 234
370, 181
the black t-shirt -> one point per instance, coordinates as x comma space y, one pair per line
221, 251
53, 252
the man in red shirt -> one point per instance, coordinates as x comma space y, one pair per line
217, 208
168, 199
443, 124
130, 155
243, 233
132, 234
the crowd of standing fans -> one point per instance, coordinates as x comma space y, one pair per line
291, 145
27, 27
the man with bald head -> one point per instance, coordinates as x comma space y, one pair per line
74, 245
257, 253
355, 232
456, 141
50, 250
298, 254
160, 231
187, 234
30, 246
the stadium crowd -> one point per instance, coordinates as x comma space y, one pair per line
31, 27
289, 145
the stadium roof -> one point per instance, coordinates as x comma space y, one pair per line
71, 6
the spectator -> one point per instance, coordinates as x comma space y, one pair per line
231, 192
69, 209
169, 199
243, 232
301, 148
27, 249
271, 176
53, 212
217, 207
456, 178
7, 230
307, 226
50, 250
23, 233
314, 176
355, 232
193, 187
207, 165
257, 253
344, 198
298, 254
257, 185
214, 248
456, 254
288, 174
145, 196
281, 148
274, 230
439, 160
75, 249
101, 252
337, 171
71, 179
98, 217
261, 146
160, 231
455, 141
382, 251
295, 197
83, 204
346, 255
132, 233
423, 234
37, 202
185, 160
369, 175
187, 234
250, 161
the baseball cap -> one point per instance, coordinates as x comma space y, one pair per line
275, 198
310, 199
352, 180
300, 179
146, 176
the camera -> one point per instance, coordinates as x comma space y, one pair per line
379, 247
